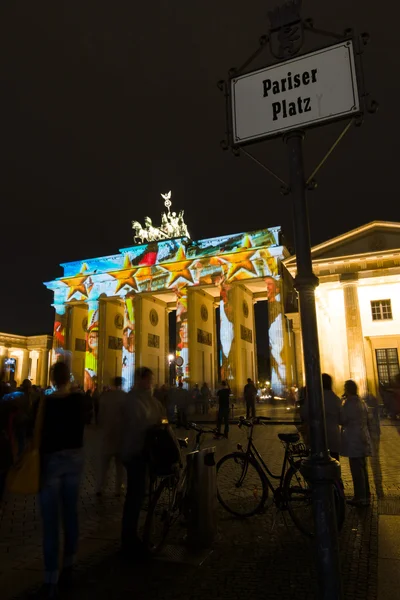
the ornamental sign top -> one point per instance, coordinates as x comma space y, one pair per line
172, 225
300, 92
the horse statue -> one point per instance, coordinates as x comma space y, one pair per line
141, 235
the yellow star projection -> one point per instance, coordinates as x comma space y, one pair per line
179, 268
125, 276
240, 259
77, 283
144, 273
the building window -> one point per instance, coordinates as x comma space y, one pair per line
381, 310
387, 361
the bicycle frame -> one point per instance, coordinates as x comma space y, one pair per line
252, 452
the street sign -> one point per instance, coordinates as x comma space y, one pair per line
179, 371
298, 93
179, 361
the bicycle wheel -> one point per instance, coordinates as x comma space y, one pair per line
159, 516
241, 485
298, 497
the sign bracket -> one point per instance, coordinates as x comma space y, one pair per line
310, 182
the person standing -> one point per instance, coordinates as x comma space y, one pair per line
111, 407
142, 412
197, 399
64, 420
332, 404
182, 400
250, 394
205, 398
223, 409
356, 442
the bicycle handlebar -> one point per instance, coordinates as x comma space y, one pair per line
201, 431
252, 422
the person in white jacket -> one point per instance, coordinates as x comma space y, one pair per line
142, 412
356, 442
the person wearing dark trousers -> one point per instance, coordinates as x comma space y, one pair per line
141, 412
223, 409
250, 394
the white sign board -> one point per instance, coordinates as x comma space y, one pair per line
307, 90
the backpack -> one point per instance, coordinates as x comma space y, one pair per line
162, 450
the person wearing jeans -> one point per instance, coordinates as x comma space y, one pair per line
59, 494
65, 416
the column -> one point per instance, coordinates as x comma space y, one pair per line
92, 346
25, 365
182, 342
102, 344
215, 381
128, 343
276, 335
227, 336
255, 361
43, 377
298, 344
355, 340
59, 331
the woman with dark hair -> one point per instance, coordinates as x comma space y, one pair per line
356, 442
65, 415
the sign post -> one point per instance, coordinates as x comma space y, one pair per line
320, 469
284, 99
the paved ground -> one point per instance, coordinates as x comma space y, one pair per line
251, 558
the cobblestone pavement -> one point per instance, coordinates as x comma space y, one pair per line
251, 558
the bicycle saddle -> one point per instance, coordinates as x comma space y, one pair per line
183, 443
289, 438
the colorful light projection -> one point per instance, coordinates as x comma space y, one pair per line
92, 347
128, 343
165, 265
182, 335
276, 335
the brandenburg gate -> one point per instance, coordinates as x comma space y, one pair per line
112, 312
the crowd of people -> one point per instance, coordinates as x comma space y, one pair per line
123, 422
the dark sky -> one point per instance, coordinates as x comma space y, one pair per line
106, 104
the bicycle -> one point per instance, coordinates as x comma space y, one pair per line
170, 500
250, 478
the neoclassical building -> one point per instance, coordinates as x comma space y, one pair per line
23, 357
358, 306
112, 312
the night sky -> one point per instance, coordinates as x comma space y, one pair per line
106, 104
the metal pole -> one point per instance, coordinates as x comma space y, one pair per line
319, 469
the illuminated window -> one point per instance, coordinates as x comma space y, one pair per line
381, 310
387, 361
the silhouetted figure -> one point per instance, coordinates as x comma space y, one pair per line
111, 417
142, 412
223, 408
250, 394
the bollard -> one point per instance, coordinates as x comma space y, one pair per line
201, 498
